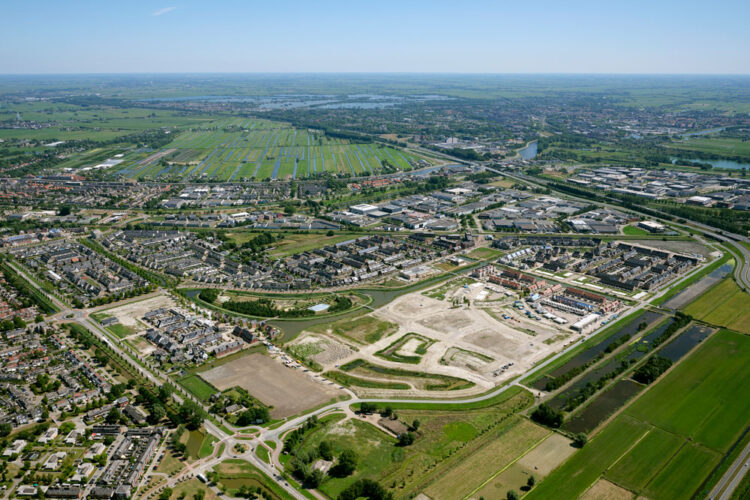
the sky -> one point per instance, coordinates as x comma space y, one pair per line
500, 36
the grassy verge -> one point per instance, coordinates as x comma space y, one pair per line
692, 279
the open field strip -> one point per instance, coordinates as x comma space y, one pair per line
678, 430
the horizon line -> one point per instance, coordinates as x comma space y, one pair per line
403, 73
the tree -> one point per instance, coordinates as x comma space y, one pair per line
511, 495
365, 488
368, 408
531, 482
165, 494
157, 413
113, 416
191, 414
324, 448
64, 210
199, 495
415, 425
546, 415
580, 440
315, 477
5, 429
347, 463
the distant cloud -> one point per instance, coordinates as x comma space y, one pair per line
163, 11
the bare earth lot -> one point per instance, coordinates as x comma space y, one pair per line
130, 314
289, 391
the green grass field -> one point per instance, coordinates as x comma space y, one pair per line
723, 305
374, 448
198, 387
634, 230
666, 444
235, 473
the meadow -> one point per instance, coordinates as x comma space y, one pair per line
667, 443
455, 452
723, 305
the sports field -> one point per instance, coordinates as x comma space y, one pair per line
666, 444
238, 149
723, 305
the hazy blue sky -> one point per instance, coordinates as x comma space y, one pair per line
655, 36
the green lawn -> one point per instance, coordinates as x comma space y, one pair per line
235, 473
683, 474
198, 387
645, 459
262, 453
699, 398
634, 230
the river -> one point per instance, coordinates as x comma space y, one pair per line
724, 164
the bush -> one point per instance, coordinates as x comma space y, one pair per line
405, 439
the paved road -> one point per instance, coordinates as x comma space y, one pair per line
732, 477
81, 317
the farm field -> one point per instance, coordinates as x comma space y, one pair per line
669, 440
237, 149
723, 305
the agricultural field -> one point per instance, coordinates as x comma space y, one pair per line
724, 146
237, 149
723, 305
666, 444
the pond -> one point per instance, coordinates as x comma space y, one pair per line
559, 401
529, 152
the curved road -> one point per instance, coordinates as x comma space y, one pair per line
742, 272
